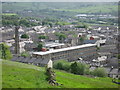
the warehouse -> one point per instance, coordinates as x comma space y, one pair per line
69, 53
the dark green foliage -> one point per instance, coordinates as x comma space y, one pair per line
66, 66
51, 25
5, 52
74, 68
82, 39
80, 68
61, 36
24, 22
98, 48
24, 36
8, 20
86, 70
82, 26
62, 65
77, 68
42, 37
100, 72
59, 65
25, 54
118, 56
40, 46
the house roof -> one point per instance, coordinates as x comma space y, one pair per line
114, 71
89, 41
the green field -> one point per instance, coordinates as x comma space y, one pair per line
8, 14
19, 75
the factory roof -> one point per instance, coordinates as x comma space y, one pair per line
64, 49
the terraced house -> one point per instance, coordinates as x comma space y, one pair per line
85, 51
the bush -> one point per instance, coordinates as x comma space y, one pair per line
118, 56
58, 65
78, 68
87, 71
81, 68
40, 46
62, 65
74, 68
24, 36
66, 66
100, 72
25, 54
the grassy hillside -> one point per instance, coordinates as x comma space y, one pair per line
19, 75
51, 8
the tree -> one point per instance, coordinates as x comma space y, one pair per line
118, 56
74, 67
40, 46
42, 37
77, 68
51, 25
80, 68
81, 40
100, 72
25, 54
24, 36
24, 22
5, 52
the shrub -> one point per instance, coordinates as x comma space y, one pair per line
100, 72
66, 66
62, 65
24, 36
25, 54
40, 46
81, 68
59, 65
87, 71
74, 68
78, 68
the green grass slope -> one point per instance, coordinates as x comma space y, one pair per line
19, 75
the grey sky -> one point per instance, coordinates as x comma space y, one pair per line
60, 0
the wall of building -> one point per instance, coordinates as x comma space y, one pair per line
71, 55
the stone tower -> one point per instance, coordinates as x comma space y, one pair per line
17, 40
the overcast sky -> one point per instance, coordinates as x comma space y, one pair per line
60, 0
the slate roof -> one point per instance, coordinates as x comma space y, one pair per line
26, 59
45, 61
89, 41
37, 61
114, 71
14, 58
31, 60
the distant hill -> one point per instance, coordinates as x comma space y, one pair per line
59, 9
19, 75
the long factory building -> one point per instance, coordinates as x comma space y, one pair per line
69, 53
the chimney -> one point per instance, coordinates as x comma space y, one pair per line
17, 40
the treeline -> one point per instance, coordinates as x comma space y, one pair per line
15, 20
78, 68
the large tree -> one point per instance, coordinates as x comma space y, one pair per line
5, 52
40, 46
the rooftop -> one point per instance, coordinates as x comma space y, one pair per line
64, 49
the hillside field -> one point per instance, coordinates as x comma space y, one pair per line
19, 75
